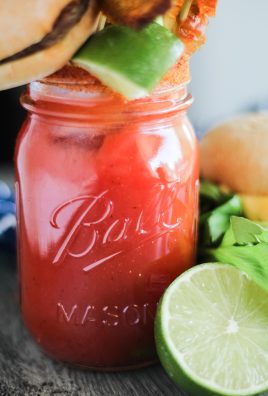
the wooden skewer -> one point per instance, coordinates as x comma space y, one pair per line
101, 22
185, 10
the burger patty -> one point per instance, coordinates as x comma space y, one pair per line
68, 18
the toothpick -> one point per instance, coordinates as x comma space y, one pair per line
185, 10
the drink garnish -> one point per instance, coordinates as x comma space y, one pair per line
131, 62
183, 15
188, 20
211, 332
134, 13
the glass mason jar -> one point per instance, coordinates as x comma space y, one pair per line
107, 196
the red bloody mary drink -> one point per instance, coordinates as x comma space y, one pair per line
107, 205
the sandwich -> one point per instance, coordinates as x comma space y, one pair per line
40, 37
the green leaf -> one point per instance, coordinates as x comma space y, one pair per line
214, 224
228, 238
253, 260
217, 224
211, 197
245, 231
263, 237
212, 192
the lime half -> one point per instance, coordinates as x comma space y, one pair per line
131, 62
212, 332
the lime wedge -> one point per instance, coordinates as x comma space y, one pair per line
131, 62
212, 332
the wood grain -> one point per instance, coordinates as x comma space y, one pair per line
26, 371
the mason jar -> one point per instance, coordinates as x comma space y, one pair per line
107, 198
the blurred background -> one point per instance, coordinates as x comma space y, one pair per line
229, 74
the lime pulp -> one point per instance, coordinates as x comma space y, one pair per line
212, 332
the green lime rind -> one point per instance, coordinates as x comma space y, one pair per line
132, 62
254, 301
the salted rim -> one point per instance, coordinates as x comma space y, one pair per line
76, 83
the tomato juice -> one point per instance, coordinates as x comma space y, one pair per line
107, 195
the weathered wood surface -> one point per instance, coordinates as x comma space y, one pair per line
26, 371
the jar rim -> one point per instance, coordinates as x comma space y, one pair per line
76, 83
84, 95
81, 90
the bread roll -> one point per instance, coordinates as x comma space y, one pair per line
41, 36
235, 154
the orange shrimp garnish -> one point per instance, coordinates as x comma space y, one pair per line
188, 19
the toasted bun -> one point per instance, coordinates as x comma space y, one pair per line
235, 154
46, 61
22, 25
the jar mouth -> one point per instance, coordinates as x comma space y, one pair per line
81, 91
71, 93
80, 82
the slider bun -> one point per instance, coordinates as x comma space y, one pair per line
46, 61
235, 154
23, 23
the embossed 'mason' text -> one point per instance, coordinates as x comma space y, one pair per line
107, 316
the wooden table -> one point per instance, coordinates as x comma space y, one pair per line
26, 371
